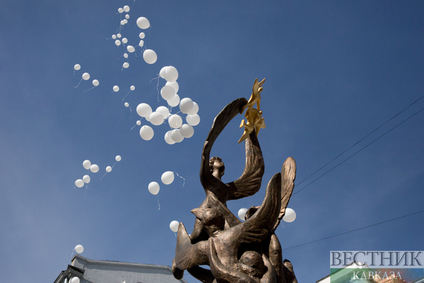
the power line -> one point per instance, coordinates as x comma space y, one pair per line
354, 230
397, 114
358, 151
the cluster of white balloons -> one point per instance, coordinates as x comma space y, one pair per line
94, 168
289, 216
167, 178
86, 76
169, 92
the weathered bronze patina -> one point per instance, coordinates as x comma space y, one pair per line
237, 251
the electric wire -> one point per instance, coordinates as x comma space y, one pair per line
397, 114
304, 187
354, 230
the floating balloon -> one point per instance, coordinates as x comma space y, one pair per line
193, 120
126, 8
143, 23
86, 164
132, 87
167, 92
174, 226
174, 85
175, 121
117, 42
118, 158
126, 65
186, 104
167, 177
154, 188
119, 35
150, 56
168, 138
75, 280
146, 133
79, 248
290, 215
138, 122
86, 179
130, 48
187, 131
108, 169
85, 76
144, 110
141, 35
242, 213
94, 168
169, 73
177, 136
95, 82
120, 10
113, 36
194, 109
126, 104
124, 41
77, 67
174, 101
164, 111
156, 118
115, 88
79, 183
125, 55
127, 16
141, 43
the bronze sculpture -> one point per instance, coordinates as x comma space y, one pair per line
237, 251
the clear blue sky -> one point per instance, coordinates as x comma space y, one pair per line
335, 71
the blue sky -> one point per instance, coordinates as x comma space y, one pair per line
335, 71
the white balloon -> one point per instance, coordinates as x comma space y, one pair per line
79, 249
143, 23
117, 42
174, 226
77, 67
120, 10
193, 120
186, 104
94, 168
174, 85
113, 36
127, 16
144, 110
79, 183
167, 92
164, 111
124, 41
138, 122
168, 138
132, 87
126, 65
141, 43
118, 158
141, 35
174, 101
154, 188
290, 215
187, 131
194, 109
119, 35
115, 88
108, 169
146, 133
156, 118
86, 179
242, 213
130, 48
75, 280
150, 56
126, 104
167, 177
125, 55
85, 76
171, 74
176, 136
96, 82
86, 164
126, 8
175, 121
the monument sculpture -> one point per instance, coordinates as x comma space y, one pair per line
237, 251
